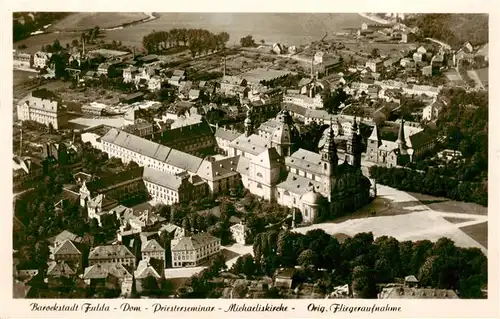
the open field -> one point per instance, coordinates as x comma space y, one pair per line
479, 232
416, 221
442, 204
87, 20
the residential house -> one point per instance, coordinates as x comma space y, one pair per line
191, 251
141, 128
25, 170
57, 270
174, 231
395, 291
408, 37
224, 137
407, 63
234, 86
278, 48
154, 83
418, 57
109, 275
147, 268
239, 232
193, 94
152, 249
41, 60
283, 278
166, 188
220, 175
129, 74
45, 107
422, 50
100, 195
22, 60
375, 65
112, 254
69, 253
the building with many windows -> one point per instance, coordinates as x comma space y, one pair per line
43, 106
191, 251
111, 254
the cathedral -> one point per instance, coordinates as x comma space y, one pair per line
319, 185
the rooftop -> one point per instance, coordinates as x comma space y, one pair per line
110, 251
194, 242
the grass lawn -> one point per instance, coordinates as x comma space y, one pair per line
454, 220
382, 207
86, 20
442, 204
478, 232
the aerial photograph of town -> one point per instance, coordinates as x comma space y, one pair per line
250, 155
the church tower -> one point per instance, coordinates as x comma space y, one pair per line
282, 136
374, 142
329, 162
401, 141
248, 123
353, 148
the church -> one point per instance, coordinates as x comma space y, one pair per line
318, 185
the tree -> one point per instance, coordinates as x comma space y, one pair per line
364, 284
247, 41
375, 53
308, 259
74, 42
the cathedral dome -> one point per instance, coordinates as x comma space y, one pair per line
311, 198
282, 134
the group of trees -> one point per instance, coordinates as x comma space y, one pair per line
248, 41
432, 183
366, 262
453, 29
24, 23
197, 40
286, 81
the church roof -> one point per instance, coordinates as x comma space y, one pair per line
375, 136
311, 198
225, 134
305, 160
253, 144
297, 184
268, 159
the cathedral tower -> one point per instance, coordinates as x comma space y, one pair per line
353, 148
401, 141
248, 123
329, 162
374, 142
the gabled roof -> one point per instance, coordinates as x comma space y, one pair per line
162, 178
137, 144
107, 181
268, 159
184, 161
60, 269
101, 271
151, 246
146, 269
297, 184
228, 135
305, 160
67, 248
253, 144
63, 236
216, 170
193, 242
110, 251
